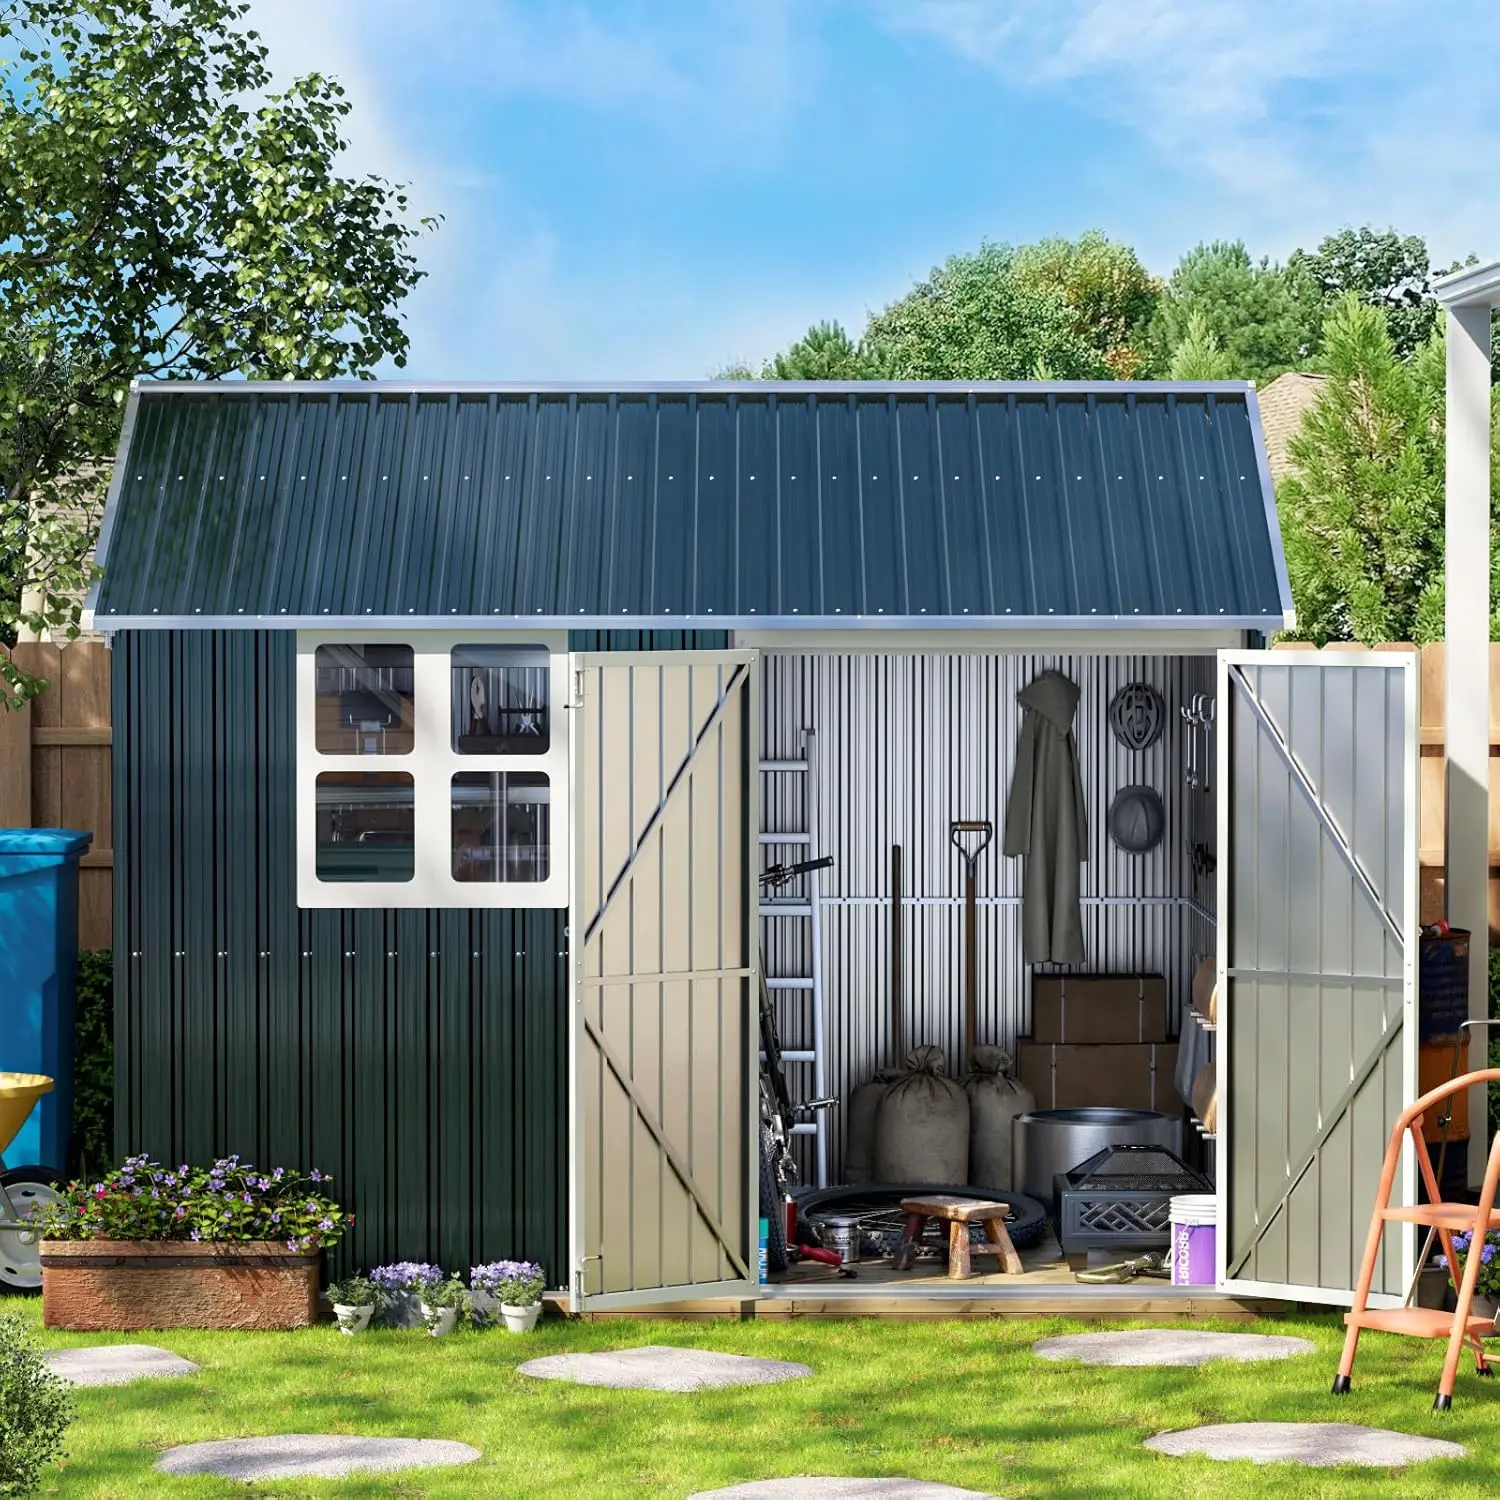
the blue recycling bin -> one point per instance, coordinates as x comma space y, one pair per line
38, 979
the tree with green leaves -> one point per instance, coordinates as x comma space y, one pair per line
976, 318
826, 352
1264, 320
1111, 295
1387, 270
1362, 513
164, 214
1199, 355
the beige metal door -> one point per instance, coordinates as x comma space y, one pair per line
1317, 909
662, 938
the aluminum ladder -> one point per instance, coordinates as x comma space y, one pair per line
807, 988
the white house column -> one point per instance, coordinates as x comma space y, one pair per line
1468, 298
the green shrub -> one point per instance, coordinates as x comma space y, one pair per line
35, 1409
94, 1065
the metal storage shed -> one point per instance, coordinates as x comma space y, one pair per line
455, 1061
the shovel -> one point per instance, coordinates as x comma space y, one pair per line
970, 853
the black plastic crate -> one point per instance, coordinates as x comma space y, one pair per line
1120, 1199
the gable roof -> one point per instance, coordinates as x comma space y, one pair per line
719, 505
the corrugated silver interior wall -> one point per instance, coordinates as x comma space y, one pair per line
905, 744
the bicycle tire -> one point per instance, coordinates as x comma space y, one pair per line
771, 1207
1026, 1223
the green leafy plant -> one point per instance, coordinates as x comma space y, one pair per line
1487, 1284
512, 1283
228, 1202
94, 1064
35, 1410
442, 1295
355, 1291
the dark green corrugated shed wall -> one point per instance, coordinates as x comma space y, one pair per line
416, 1055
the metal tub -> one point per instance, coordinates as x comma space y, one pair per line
1050, 1142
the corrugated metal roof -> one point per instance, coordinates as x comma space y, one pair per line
716, 505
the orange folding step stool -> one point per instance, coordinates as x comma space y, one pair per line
1447, 1218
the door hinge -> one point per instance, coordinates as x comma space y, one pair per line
577, 699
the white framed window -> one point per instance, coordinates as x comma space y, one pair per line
432, 769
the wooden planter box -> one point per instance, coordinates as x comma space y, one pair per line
124, 1285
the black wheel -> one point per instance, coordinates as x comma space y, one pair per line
772, 1209
26, 1189
879, 1205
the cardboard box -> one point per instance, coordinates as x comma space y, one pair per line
1125, 1075
1067, 1008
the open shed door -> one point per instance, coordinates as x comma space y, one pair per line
662, 937
1317, 899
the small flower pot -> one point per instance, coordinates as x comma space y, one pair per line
521, 1319
483, 1309
353, 1319
439, 1320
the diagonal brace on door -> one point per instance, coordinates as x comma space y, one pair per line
679, 780
659, 1135
1265, 1217
1310, 792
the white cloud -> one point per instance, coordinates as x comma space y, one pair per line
503, 299
1293, 116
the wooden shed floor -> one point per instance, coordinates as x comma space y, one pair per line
1045, 1288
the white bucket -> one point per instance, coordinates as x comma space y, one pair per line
1193, 1256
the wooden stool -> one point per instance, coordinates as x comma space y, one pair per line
958, 1214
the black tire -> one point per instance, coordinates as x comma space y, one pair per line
1025, 1225
772, 1209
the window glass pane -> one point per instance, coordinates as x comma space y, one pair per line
501, 826
364, 700
366, 821
500, 700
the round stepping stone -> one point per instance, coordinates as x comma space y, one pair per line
1318, 1445
299, 1456
1170, 1346
660, 1367
827, 1487
116, 1364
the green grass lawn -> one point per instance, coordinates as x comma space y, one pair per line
962, 1403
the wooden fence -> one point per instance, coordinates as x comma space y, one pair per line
55, 771
55, 767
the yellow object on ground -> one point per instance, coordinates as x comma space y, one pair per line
18, 1094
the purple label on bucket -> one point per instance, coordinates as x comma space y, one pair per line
1193, 1254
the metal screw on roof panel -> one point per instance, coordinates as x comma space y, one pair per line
507, 476
304, 476
1200, 476
794, 609
307, 953
710, 478
179, 479
955, 476
383, 478
221, 476
223, 953
874, 476
349, 953
424, 476
997, 476
1038, 476
178, 953
1161, 476
262, 476
1119, 476
752, 476
197, 609
1080, 478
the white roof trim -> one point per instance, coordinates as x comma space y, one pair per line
1473, 286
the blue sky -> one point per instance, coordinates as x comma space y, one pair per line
645, 189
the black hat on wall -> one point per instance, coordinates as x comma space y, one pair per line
1137, 819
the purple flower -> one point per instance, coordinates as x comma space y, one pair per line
325, 1225
315, 1175
195, 1235
247, 1198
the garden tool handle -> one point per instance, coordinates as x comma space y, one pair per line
983, 826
